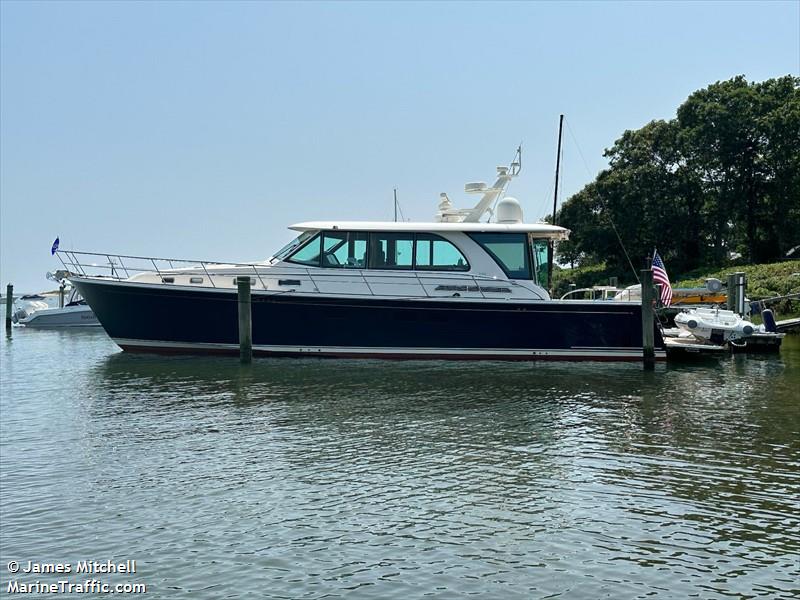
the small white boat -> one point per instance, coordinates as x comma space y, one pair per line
714, 324
37, 313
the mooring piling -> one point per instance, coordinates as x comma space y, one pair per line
245, 320
648, 325
731, 288
741, 285
9, 304
737, 284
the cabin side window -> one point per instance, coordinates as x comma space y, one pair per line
391, 250
540, 260
434, 253
384, 250
309, 254
509, 250
344, 249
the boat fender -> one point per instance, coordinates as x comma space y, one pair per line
769, 320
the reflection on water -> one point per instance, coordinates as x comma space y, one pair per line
325, 478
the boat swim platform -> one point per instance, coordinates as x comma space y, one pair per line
685, 347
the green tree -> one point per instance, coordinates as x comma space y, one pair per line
722, 177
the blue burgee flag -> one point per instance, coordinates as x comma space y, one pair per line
55, 247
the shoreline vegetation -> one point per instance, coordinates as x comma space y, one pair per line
715, 189
766, 280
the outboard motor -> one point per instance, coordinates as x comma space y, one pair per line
769, 321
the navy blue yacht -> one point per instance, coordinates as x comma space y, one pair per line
454, 288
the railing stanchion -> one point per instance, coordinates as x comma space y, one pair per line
311, 278
369, 287
259, 277
422, 285
124, 268
203, 264
480, 289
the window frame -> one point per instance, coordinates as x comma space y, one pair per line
374, 240
535, 267
290, 248
527, 251
318, 237
432, 237
372, 236
350, 237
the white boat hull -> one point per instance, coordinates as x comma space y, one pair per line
715, 325
69, 316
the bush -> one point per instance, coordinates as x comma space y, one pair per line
763, 281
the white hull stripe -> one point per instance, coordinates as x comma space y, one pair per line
619, 353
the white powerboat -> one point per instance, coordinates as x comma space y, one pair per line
34, 311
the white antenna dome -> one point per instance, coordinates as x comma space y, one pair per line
509, 211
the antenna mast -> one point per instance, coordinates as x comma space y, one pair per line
551, 244
395, 205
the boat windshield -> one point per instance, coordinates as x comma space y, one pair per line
291, 246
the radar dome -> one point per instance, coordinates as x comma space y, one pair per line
509, 211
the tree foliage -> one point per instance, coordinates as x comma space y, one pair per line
720, 179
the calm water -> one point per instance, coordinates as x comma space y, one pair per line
325, 479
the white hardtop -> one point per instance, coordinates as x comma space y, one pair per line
541, 230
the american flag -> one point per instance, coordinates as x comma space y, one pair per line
660, 276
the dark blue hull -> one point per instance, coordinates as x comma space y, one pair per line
162, 318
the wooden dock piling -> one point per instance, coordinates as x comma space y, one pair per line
245, 320
648, 337
9, 305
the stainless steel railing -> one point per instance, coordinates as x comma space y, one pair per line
120, 267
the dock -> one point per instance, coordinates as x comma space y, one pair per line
686, 347
788, 325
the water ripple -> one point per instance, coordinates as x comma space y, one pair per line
326, 479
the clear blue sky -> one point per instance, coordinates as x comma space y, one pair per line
203, 129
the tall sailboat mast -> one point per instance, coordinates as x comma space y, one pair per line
551, 244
